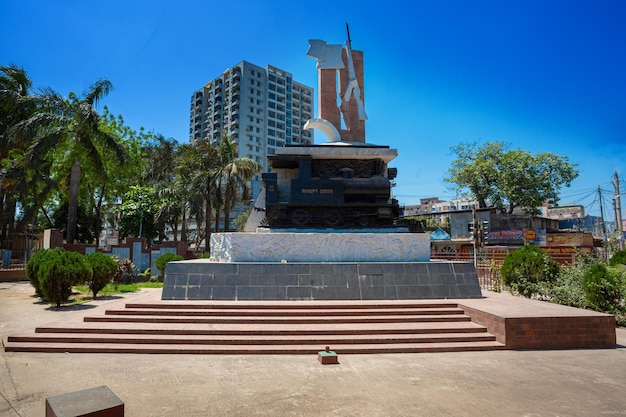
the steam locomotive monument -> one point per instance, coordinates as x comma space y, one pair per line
325, 224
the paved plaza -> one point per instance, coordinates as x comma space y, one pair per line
588, 382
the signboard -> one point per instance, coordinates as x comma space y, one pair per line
569, 239
503, 236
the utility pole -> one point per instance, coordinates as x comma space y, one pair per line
618, 210
475, 233
602, 226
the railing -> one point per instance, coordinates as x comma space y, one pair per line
14, 259
488, 262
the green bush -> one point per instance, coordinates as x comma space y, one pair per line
104, 269
162, 261
618, 258
568, 289
603, 288
528, 271
34, 264
59, 272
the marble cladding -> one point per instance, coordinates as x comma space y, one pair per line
320, 247
205, 280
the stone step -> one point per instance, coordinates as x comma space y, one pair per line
292, 305
263, 328
278, 320
252, 349
310, 339
275, 312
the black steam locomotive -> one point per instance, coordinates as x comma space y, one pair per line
309, 191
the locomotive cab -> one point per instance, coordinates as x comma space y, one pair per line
323, 189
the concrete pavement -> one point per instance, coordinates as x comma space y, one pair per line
501, 383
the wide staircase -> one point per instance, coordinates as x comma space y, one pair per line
263, 328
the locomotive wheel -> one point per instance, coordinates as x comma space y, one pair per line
363, 221
332, 218
300, 217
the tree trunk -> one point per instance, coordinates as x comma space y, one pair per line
72, 209
207, 227
98, 225
218, 210
227, 214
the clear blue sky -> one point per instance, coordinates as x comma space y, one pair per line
542, 75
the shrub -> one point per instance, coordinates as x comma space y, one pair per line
34, 264
568, 289
59, 272
618, 258
602, 288
125, 272
528, 271
162, 261
104, 269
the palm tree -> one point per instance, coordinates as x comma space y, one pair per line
17, 105
198, 163
75, 119
233, 176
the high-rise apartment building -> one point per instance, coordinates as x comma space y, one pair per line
260, 108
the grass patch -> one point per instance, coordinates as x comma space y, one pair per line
82, 293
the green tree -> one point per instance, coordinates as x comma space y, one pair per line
74, 126
24, 185
137, 214
198, 162
498, 177
233, 176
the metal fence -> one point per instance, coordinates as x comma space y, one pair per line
488, 262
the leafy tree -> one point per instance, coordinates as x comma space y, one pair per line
496, 176
528, 271
100, 193
85, 222
104, 269
138, 209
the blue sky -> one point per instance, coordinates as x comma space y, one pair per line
545, 76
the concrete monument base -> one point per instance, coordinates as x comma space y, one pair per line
202, 279
320, 247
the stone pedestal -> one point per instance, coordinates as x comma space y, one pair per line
202, 279
93, 402
320, 247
